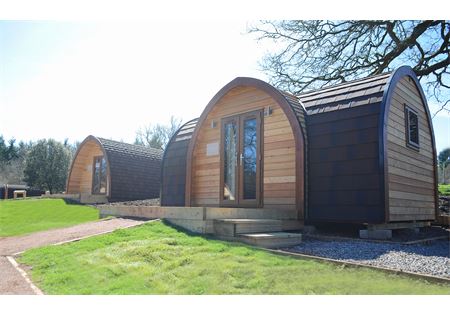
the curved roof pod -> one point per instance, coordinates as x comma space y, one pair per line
173, 170
133, 171
292, 109
348, 155
391, 97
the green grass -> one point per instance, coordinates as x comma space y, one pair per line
19, 217
157, 259
444, 189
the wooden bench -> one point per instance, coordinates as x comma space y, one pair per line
23, 193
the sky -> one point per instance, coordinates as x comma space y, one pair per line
109, 78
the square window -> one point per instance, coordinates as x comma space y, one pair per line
412, 128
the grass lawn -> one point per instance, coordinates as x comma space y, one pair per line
444, 189
19, 217
157, 259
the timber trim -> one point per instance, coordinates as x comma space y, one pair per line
292, 118
396, 76
80, 147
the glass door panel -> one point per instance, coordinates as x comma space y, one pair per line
230, 154
99, 180
241, 159
249, 158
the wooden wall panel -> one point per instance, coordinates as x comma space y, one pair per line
410, 172
80, 180
278, 178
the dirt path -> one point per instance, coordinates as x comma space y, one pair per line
12, 282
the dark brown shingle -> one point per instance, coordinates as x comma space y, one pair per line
135, 170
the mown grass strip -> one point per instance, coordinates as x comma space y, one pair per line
158, 259
18, 217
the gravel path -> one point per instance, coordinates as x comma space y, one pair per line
432, 259
12, 282
145, 202
15, 244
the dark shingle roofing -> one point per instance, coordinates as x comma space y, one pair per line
173, 179
135, 170
345, 95
185, 132
298, 109
130, 149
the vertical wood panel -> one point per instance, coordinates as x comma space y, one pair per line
80, 180
415, 168
278, 147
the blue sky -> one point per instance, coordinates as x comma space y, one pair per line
72, 79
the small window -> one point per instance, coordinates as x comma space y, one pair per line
99, 176
412, 128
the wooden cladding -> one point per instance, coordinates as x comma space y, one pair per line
278, 161
369, 146
367, 165
132, 171
411, 173
80, 180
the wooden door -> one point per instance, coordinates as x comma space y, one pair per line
241, 160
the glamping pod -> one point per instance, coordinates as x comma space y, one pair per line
104, 170
361, 152
372, 155
173, 177
248, 150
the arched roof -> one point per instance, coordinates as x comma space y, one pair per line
173, 170
346, 95
292, 108
134, 170
374, 90
394, 78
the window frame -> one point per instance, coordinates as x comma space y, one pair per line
409, 143
101, 158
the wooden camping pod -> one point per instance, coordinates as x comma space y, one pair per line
339, 154
132, 171
361, 169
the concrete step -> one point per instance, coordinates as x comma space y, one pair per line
271, 240
233, 227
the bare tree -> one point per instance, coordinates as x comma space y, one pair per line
157, 136
315, 53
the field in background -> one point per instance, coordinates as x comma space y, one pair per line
19, 217
444, 189
158, 259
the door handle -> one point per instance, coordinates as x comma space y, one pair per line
241, 157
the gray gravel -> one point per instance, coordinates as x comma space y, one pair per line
432, 258
145, 202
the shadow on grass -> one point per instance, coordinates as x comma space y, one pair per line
69, 201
